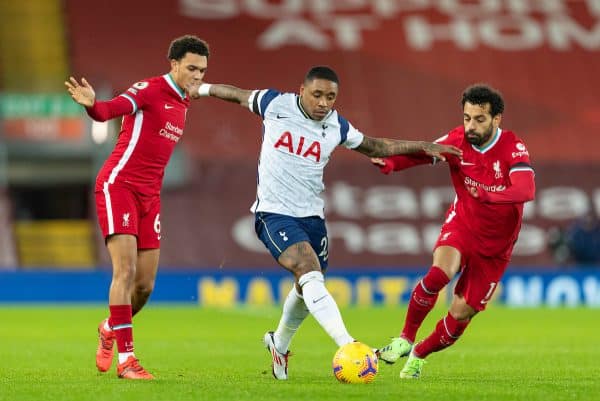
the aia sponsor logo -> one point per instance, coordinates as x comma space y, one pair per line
299, 147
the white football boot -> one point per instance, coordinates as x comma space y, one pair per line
279, 360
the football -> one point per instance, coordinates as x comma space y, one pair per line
355, 363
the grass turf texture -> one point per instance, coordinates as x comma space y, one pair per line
47, 353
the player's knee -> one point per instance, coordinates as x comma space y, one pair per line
144, 289
124, 273
460, 310
461, 315
303, 267
124, 263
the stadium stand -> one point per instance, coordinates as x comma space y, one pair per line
402, 68
402, 71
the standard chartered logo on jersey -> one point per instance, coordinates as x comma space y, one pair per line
171, 131
516, 25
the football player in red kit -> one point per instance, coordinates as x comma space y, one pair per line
128, 188
492, 181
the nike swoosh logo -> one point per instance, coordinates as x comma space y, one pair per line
464, 163
280, 116
317, 300
168, 107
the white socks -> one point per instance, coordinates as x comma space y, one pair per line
294, 313
124, 355
322, 306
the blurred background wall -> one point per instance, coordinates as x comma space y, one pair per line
403, 65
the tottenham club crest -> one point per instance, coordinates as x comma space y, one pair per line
324, 126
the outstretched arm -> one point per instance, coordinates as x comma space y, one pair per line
84, 94
401, 162
383, 147
224, 92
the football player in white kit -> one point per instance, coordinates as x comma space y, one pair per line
300, 133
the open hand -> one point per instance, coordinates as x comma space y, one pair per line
384, 165
378, 161
82, 93
436, 150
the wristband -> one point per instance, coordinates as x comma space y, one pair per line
204, 90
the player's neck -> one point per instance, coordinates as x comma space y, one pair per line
174, 82
305, 114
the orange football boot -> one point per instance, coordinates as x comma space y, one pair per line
104, 353
132, 369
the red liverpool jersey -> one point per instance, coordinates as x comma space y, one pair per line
148, 134
494, 226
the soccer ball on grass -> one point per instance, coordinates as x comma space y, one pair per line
355, 363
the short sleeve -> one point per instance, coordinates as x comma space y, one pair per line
259, 100
350, 137
453, 137
519, 158
137, 95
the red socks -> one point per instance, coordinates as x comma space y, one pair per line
120, 322
422, 301
446, 332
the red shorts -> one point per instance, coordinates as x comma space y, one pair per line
480, 274
123, 211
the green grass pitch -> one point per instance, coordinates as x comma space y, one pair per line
47, 353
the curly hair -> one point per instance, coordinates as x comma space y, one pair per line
481, 94
187, 44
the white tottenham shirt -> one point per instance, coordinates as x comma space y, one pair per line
294, 152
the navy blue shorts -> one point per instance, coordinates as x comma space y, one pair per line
278, 232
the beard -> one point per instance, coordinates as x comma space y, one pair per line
475, 139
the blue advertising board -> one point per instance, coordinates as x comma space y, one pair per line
218, 288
